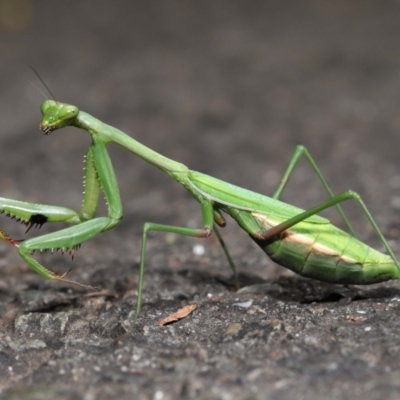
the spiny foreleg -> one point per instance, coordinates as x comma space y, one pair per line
36, 215
69, 239
65, 240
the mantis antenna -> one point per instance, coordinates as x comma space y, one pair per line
43, 82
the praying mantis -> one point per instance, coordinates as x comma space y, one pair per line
300, 240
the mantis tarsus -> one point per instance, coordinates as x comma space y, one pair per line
299, 240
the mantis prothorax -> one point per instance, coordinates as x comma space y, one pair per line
297, 239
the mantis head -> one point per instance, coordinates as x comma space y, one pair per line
56, 115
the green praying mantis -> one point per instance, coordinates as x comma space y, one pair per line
300, 240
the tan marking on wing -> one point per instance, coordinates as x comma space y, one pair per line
320, 248
348, 259
264, 220
298, 238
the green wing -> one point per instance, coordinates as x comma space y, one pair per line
230, 195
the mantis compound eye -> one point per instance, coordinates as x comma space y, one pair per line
68, 112
46, 105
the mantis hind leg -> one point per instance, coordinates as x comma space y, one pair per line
298, 153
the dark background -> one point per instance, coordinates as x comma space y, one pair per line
228, 88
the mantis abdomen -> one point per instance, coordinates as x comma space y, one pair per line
326, 253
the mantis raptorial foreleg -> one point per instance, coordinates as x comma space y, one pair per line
98, 168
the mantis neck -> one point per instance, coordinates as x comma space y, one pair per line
108, 134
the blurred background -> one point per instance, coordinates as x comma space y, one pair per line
239, 83
270, 75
